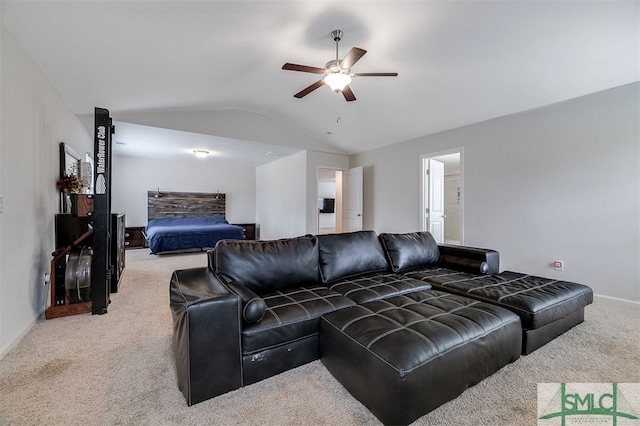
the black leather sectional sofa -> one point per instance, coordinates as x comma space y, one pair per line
403, 323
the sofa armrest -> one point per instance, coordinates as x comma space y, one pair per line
457, 257
206, 334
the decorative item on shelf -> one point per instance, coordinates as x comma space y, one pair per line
66, 203
69, 184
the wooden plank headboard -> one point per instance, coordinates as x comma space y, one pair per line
184, 204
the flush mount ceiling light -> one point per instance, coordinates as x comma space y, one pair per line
200, 153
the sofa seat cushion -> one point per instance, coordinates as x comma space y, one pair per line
377, 285
290, 315
538, 301
405, 355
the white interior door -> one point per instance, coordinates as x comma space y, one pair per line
435, 206
352, 206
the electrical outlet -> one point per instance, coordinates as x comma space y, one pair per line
558, 265
47, 278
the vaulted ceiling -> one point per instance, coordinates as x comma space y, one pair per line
210, 71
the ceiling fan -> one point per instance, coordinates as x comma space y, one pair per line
337, 72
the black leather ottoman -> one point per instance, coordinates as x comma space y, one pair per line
406, 355
547, 308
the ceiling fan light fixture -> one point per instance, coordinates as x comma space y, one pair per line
337, 81
200, 153
337, 72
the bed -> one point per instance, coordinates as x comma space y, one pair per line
187, 233
186, 221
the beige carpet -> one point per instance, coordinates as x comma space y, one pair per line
118, 369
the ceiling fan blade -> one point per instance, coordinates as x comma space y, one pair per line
348, 94
352, 57
309, 89
375, 74
303, 68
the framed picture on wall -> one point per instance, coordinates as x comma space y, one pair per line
69, 161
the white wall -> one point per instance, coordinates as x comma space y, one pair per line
286, 193
33, 121
451, 207
559, 182
133, 177
281, 194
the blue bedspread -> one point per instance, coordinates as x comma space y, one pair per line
186, 233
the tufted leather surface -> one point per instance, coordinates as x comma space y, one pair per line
406, 355
538, 301
424, 325
377, 285
291, 314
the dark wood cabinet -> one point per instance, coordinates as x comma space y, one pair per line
73, 235
251, 230
134, 237
69, 228
81, 205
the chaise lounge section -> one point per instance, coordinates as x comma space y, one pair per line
547, 308
381, 312
406, 355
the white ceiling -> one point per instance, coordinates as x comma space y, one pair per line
152, 142
459, 62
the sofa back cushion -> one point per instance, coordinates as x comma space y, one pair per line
266, 266
352, 253
412, 250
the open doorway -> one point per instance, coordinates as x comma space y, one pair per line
442, 196
329, 191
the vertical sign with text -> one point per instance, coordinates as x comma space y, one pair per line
100, 265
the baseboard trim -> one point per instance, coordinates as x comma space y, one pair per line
633, 302
4, 351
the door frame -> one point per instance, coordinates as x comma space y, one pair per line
349, 196
423, 199
339, 197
